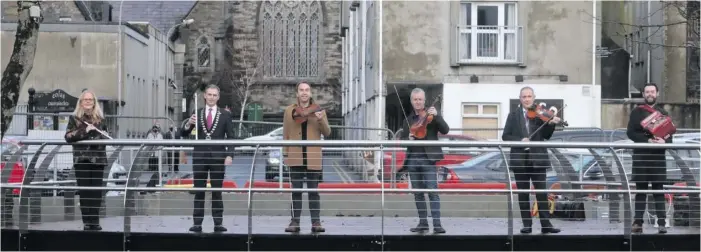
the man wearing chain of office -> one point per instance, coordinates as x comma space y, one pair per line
212, 123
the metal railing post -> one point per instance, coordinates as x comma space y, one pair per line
382, 205
27, 178
509, 203
128, 197
250, 199
627, 202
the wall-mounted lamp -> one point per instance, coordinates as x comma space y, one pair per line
35, 12
519, 78
474, 79
563, 78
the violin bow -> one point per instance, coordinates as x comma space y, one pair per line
541, 126
402, 106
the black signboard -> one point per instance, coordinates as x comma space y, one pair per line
54, 101
558, 103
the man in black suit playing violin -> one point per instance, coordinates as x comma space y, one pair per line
210, 122
421, 161
530, 164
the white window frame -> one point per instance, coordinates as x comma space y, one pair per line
501, 30
480, 110
480, 113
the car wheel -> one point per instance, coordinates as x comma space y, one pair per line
403, 177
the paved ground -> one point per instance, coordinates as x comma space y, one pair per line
240, 170
349, 225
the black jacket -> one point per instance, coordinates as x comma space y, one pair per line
75, 131
515, 130
433, 153
648, 164
223, 129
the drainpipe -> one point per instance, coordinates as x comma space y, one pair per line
593, 64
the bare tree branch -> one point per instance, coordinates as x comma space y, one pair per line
21, 61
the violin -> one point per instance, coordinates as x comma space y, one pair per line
301, 114
543, 114
418, 129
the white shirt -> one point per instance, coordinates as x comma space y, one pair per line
525, 112
206, 112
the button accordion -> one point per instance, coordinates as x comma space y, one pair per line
658, 124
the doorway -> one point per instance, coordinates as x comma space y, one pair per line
398, 103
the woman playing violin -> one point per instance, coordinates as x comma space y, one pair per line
304, 120
424, 124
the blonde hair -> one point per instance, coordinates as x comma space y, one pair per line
96, 113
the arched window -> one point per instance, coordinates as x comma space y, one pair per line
289, 36
203, 53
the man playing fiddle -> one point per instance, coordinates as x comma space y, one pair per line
304, 121
530, 164
421, 161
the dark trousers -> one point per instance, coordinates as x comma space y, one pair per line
89, 175
423, 174
525, 175
214, 167
298, 176
641, 203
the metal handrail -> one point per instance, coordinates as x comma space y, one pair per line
368, 143
345, 190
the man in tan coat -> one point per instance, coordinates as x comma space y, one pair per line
305, 163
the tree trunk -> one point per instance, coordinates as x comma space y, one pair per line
21, 62
243, 108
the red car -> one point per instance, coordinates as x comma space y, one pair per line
449, 157
17, 169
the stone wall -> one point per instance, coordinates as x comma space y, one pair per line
615, 114
273, 95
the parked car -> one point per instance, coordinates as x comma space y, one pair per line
7, 149
272, 167
490, 167
451, 156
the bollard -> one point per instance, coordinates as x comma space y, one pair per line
68, 205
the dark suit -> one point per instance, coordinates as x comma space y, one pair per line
420, 163
649, 166
529, 165
210, 159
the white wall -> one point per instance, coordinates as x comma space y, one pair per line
581, 111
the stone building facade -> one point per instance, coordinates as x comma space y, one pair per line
272, 44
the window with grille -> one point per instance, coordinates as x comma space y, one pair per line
290, 39
488, 32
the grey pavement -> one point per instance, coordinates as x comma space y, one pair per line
348, 225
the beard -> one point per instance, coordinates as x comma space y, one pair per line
650, 100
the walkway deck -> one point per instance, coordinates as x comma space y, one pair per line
342, 233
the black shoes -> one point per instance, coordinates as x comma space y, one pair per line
92, 227
544, 230
217, 229
423, 227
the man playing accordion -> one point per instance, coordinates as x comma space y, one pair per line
649, 123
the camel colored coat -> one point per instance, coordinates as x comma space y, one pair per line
293, 131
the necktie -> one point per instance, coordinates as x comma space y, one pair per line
209, 119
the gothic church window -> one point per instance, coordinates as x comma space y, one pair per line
289, 37
203, 52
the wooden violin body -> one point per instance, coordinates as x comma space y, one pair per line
301, 114
539, 111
